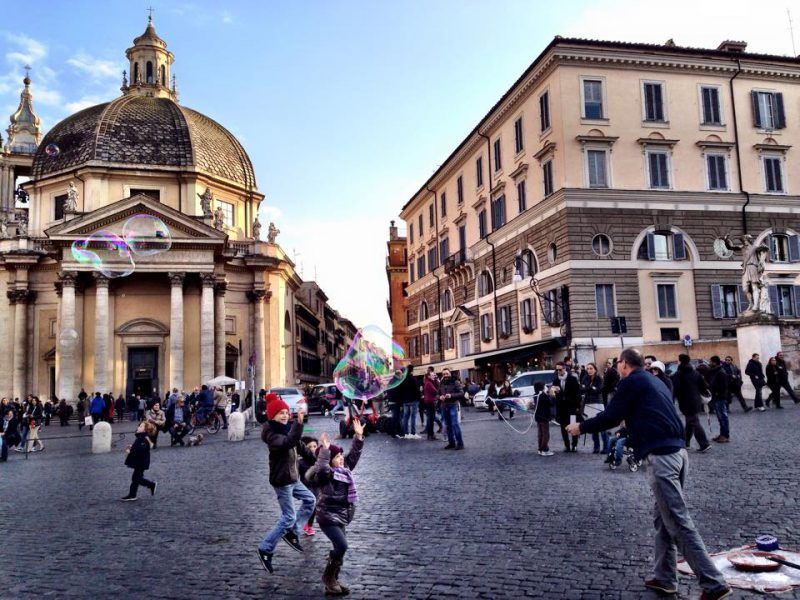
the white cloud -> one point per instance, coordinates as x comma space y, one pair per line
85, 102
227, 18
96, 68
29, 51
47, 96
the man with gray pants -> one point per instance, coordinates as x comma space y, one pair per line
657, 436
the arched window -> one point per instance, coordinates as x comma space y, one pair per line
423, 311
163, 76
485, 285
287, 321
663, 245
447, 300
135, 72
149, 72
526, 264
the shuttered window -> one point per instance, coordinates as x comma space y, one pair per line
544, 112
592, 99
712, 115
658, 169
717, 175
773, 174
726, 301
667, 301
596, 168
527, 315
653, 102
768, 111
519, 143
547, 177
604, 300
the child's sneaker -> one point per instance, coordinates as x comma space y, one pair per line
308, 530
290, 537
266, 560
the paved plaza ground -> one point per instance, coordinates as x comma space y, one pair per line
493, 521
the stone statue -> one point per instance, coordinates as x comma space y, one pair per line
219, 218
257, 229
3, 227
272, 233
754, 283
71, 203
205, 202
22, 228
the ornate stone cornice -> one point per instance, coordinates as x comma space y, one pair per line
176, 279
67, 278
257, 296
100, 280
21, 296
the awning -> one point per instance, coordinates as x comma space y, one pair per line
473, 360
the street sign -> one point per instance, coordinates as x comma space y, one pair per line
687, 340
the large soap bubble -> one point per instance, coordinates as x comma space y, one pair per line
52, 150
106, 253
146, 235
67, 342
370, 366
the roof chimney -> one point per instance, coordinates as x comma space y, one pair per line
732, 46
392, 231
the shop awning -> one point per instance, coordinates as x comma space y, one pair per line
510, 354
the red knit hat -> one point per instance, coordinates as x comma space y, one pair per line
275, 405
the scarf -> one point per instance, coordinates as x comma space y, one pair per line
346, 475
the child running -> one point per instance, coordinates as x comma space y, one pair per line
332, 475
284, 444
304, 465
138, 459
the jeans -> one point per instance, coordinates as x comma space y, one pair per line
289, 519
675, 529
338, 537
619, 447
3, 449
596, 437
430, 418
178, 432
693, 426
453, 428
133, 415
544, 436
138, 479
410, 418
397, 419
785, 385
721, 410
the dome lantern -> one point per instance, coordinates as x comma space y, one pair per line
24, 132
150, 64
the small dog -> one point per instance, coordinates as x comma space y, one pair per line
195, 440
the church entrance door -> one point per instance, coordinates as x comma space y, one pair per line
142, 372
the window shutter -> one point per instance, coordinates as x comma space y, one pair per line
651, 246
773, 299
796, 298
678, 247
756, 113
716, 301
772, 256
534, 314
559, 312
780, 115
547, 310
794, 248
743, 303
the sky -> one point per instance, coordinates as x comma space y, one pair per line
345, 108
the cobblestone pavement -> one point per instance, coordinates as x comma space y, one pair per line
493, 521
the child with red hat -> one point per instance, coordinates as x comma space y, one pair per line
284, 444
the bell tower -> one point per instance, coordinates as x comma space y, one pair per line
150, 63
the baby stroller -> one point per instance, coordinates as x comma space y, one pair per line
627, 454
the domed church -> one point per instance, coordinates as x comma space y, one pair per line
219, 301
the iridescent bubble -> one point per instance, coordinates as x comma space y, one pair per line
371, 365
68, 339
52, 150
106, 253
146, 235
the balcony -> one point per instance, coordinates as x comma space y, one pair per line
456, 261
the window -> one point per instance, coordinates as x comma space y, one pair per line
482, 224
443, 204
449, 338
522, 203
423, 311
426, 344
773, 176
154, 194
663, 245
658, 169
460, 189
230, 325
526, 264
653, 94
670, 334
420, 224
604, 300
462, 243
163, 71
447, 300
53, 326
779, 248
768, 110
785, 300
505, 321
526, 315
498, 212
432, 259
592, 99
601, 244
464, 345
479, 172
712, 114
411, 272
544, 112
486, 327
498, 158
59, 206
149, 72
430, 216
727, 301
435, 335
717, 175
484, 283
667, 301
552, 253
551, 307
547, 177
444, 249
227, 211
596, 168
421, 267
519, 144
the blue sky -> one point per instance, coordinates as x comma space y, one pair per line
345, 108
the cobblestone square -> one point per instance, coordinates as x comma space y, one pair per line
493, 521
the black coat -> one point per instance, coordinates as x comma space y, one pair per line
333, 507
773, 381
283, 449
170, 416
592, 388
406, 392
11, 432
568, 400
755, 371
720, 384
139, 455
544, 409
689, 387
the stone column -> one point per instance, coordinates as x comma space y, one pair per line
101, 383
176, 331
20, 298
257, 297
4, 203
207, 328
66, 374
219, 327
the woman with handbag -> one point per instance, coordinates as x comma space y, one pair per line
592, 388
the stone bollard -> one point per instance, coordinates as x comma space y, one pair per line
236, 427
101, 438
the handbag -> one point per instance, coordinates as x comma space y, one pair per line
88, 421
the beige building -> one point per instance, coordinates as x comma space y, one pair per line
218, 299
608, 174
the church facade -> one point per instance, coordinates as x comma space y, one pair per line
219, 301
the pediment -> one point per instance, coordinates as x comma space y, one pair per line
183, 228
461, 313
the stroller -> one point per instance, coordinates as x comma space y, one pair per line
627, 455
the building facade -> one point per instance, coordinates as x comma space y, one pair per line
217, 301
397, 276
600, 187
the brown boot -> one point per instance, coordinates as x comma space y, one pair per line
337, 566
329, 579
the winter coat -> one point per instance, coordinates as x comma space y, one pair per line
220, 399
454, 389
430, 391
772, 376
156, 418
170, 416
782, 371
593, 389
719, 384
10, 431
333, 507
97, 406
568, 400
689, 388
139, 455
206, 399
755, 371
119, 405
544, 409
284, 445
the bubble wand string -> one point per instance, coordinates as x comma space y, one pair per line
530, 425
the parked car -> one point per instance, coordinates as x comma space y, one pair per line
522, 383
323, 397
672, 366
293, 397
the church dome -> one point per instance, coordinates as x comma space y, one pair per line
149, 132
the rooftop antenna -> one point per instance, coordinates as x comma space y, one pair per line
791, 31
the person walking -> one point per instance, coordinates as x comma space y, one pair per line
395, 398
755, 372
657, 437
138, 459
450, 394
773, 383
735, 383
9, 434
782, 368
96, 409
688, 387
48, 411
410, 409
542, 414
430, 395
719, 399
63, 411
80, 408
592, 388
566, 392
119, 408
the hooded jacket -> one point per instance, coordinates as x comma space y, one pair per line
284, 444
333, 507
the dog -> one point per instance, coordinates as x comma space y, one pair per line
195, 440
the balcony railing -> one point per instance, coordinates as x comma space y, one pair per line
454, 261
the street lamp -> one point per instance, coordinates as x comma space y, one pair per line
557, 306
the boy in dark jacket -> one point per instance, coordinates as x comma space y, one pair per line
542, 415
9, 434
284, 444
138, 459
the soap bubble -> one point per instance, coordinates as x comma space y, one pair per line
369, 367
106, 253
68, 341
517, 403
146, 235
52, 150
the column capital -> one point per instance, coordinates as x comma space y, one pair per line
59, 288
220, 287
101, 280
67, 278
176, 279
21, 296
207, 279
257, 296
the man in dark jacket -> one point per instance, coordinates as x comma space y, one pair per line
656, 434
719, 386
689, 388
177, 421
205, 403
783, 376
9, 434
735, 383
755, 371
451, 393
610, 381
566, 391
284, 443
